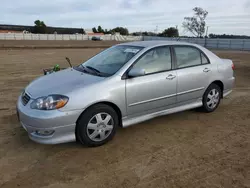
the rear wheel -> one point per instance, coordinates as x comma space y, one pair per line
97, 125
211, 98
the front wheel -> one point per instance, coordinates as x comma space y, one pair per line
97, 125
211, 98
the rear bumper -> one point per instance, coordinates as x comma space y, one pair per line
228, 86
59, 126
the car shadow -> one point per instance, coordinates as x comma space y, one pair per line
14, 133
18, 135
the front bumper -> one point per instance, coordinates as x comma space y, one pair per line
60, 124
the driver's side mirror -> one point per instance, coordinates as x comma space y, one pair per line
134, 72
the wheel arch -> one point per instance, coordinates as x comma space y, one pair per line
220, 84
111, 104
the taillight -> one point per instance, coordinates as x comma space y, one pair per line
233, 67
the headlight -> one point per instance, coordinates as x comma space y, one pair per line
50, 102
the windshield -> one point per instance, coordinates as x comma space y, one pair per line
111, 60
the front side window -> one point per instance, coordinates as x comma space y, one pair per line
187, 56
155, 60
111, 60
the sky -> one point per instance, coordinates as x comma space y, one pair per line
224, 16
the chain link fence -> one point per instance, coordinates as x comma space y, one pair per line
234, 44
31, 36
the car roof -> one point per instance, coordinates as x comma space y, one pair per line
153, 43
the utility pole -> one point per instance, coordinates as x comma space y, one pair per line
206, 37
156, 29
207, 30
176, 27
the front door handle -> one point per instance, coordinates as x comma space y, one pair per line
170, 77
206, 70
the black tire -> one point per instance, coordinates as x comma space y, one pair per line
205, 100
82, 123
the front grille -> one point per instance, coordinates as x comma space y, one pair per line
25, 98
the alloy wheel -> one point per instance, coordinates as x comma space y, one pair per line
100, 127
213, 98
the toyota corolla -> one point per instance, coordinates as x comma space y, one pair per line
121, 86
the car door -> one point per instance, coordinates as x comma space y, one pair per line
157, 88
193, 72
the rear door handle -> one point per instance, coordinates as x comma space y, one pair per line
170, 77
206, 70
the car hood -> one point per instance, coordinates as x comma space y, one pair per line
60, 82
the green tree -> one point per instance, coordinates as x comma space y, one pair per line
100, 30
121, 30
170, 32
83, 31
94, 30
136, 33
39, 23
39, 27
196, 24
107, 31
144, 33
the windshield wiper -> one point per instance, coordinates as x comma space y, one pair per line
84, 68
93, 69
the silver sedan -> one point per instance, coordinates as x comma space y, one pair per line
123, 85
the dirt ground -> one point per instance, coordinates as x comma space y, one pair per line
187, 149
55, 44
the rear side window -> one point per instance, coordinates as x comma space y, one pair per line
187, 56
204, 59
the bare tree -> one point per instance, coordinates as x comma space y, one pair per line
196, 24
